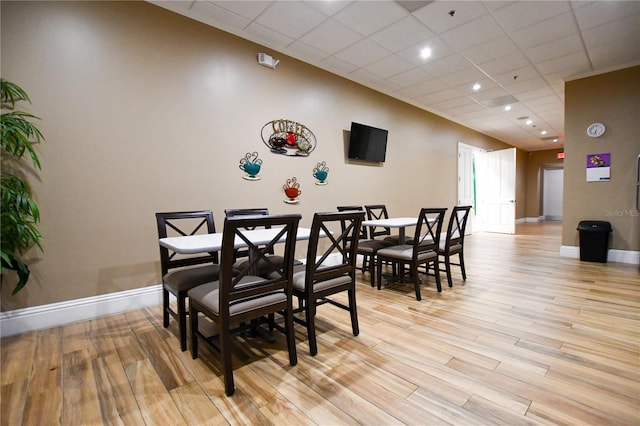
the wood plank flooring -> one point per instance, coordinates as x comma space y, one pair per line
529, 338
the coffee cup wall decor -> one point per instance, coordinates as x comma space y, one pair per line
291, 190
321, 172
251, 165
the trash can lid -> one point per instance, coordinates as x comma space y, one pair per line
594, 226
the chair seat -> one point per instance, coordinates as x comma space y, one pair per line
405, 252
299, 282
372, 246
187, 278
207, 295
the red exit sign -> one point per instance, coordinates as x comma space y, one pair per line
560, 155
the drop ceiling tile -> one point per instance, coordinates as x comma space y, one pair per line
219, 17
523, 14
439, 49
440, 96
329, 8
517, 76
268, 36
385, 86
533, 94
290, 18
567, 65
505, 64
425, 87
473, 33
485, 84
490, 50
389, 66
337, 65
453, 103
436, 15
402, 34
485, 96
525, 85
443, 66
363, 53
546, 31
367, 17
331, 37
560, 47
611, 55
465, 76
409, 78
598, 13
305, 52
460, 111
622, 31
247, 9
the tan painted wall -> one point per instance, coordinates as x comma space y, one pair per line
612, 99
145, 111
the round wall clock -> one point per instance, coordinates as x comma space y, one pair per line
595, 130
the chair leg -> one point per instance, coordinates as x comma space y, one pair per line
165, 307
416, 280
225, 353
193, 318
436, 272
291, 337
182, 316
379, 273
464, 272
353, 311
447, 264
310, 313
372, 266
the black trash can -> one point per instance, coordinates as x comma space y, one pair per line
594, 240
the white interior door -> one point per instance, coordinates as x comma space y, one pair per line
499, 190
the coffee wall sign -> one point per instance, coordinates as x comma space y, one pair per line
288, 137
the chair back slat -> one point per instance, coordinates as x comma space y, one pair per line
457, 225
363, 229
428, 229
240, 285
262, 211
182, 224
376, 212
332, 245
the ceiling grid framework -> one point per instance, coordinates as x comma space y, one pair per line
519, 52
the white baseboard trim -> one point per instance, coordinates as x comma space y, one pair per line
55, 314
534, 219
621, 256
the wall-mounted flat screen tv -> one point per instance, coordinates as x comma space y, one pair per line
367, 143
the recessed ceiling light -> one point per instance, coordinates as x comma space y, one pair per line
477, 87
425, 53
543, 132
529, 122
507, 108
555, 140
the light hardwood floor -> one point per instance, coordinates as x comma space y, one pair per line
529, 338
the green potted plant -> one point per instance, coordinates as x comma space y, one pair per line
19, 211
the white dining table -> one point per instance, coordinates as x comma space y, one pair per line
394, 222
209, 243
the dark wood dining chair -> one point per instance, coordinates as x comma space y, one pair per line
423, 250
367, 247
238, 298
330, 269
453, 243
376, 212
181, 273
